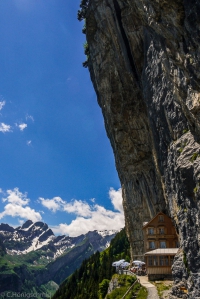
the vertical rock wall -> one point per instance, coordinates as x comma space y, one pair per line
144, 63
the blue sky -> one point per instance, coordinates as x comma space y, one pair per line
56, 161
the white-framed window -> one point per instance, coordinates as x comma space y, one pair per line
163, 244
161, 230
150, 231
152, 245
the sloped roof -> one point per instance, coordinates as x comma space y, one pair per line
159, 213
163, 251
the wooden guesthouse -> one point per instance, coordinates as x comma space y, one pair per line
161, 245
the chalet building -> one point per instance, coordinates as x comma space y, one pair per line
161, 245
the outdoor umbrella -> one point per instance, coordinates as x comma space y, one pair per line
138, 263
117, 263
124, 264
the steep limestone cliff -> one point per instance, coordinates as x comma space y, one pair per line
143, 57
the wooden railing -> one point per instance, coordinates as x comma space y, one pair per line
136, 281
128, 272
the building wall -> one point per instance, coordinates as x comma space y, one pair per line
160, 232
159, 270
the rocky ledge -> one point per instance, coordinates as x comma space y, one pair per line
144, 62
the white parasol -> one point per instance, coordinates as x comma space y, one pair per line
125, 264
117, 263
138, 263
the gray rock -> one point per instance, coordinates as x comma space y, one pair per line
144, 61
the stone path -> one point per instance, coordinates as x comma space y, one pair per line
152, 291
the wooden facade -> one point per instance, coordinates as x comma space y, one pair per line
159, 263
160, 233
161, 245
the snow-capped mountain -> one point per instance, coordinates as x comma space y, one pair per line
33, 256
34, 236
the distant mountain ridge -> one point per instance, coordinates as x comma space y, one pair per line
33, 236
33, 257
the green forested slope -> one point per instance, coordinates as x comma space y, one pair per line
29, 273
90, 281
2, 248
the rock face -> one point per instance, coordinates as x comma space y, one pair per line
144, 61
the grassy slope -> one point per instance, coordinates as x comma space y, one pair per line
36, 272
124, 283
19, 273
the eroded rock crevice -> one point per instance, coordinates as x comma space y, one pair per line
144, 64
118, 14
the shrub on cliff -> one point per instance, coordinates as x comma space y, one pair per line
82, 12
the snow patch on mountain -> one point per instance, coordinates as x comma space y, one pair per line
36, 244
27, 228
104, 233
38, 236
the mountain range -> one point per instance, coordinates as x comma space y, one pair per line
34, 259
92, 279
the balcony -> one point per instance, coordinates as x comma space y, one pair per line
159, 236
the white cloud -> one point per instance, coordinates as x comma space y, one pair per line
53, 204
17, 206
8, 128
22, 126
22, 212
28, 142
88, 217
2, 103
5, 128
107, 220
116, 199
16, 197
79, 208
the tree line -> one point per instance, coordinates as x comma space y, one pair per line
91, 280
